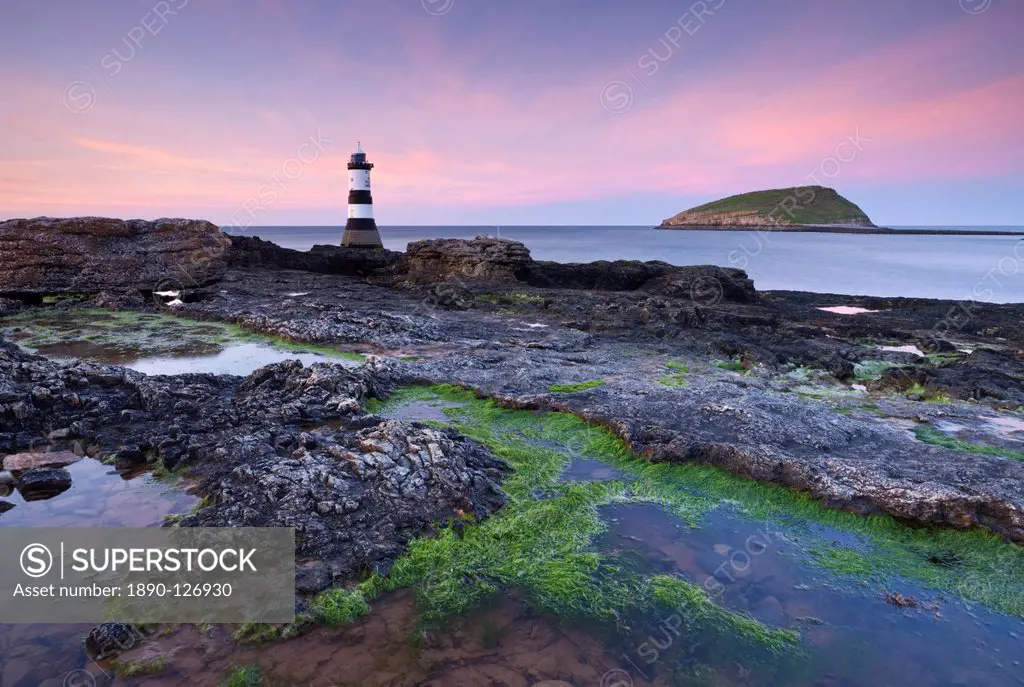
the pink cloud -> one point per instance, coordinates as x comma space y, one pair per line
440, 136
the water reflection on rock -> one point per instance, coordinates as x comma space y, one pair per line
852, 632
7, 483
48, 459
39, 484
96, 497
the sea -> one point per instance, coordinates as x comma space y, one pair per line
955, 267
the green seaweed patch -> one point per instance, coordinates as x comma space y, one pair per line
340, 606
139, 667
732, 366
576, 387
244, 676
929, 434
678, 366
871, 370
976, 565
540, 548
677, 374
510, 298
923, 393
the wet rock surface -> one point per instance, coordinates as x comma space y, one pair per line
513, 340
357, 496
91, 254
38, 484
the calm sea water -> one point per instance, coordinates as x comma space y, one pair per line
982, 268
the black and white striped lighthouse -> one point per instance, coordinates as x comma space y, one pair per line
360, 229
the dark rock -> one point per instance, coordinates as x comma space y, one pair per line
171, 453
111, 639
483, 259
312, 578
252, 251
938, 346
7, 483
9, 306
112, 300
356, 501
704, 285
449, 295
5, 505
38, 484
620, 275
93, 254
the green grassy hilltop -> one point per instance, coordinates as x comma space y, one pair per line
800, 205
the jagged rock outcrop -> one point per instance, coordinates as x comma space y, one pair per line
252, 251
357, 492
92, 254
356, 498
483, 259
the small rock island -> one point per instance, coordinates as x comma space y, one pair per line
800, 208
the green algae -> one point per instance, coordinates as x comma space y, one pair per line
677, 375
678, 366
732, 366
510, 298
540, 548
139, 667
577, 387
930, 435
244, 676
927, 394
871, 370
145, 333
975, 565
340, 606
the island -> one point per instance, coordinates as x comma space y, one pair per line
795, 209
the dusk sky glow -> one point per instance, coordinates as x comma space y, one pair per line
526, 112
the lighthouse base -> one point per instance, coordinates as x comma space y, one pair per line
361, 233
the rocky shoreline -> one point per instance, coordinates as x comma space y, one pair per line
484, 315
847, 399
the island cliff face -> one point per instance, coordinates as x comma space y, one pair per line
780, 209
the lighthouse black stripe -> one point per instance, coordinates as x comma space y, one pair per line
360, 224
360, 198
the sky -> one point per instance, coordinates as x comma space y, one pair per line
244, 112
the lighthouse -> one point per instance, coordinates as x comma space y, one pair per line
360, 229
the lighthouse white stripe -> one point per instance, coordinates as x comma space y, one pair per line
359, 180
360, 211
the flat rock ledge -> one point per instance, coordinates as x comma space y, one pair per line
483, 259
92, 254
770, 437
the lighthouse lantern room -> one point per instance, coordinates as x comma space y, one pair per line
360, 229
